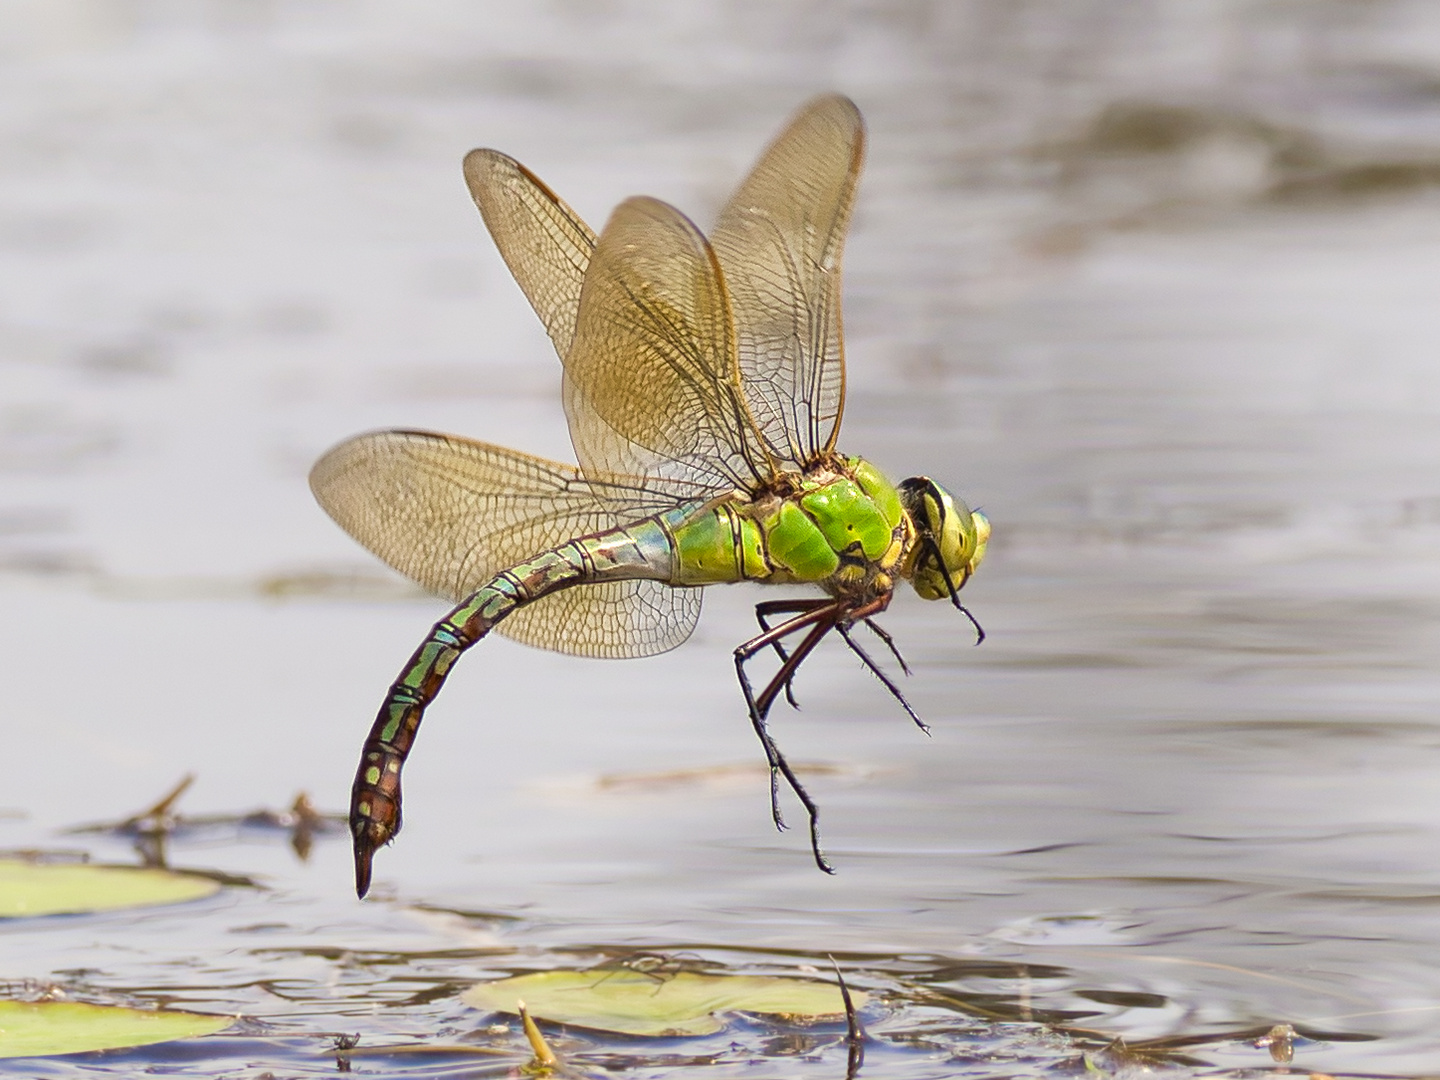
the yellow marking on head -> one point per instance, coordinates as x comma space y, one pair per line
951, 538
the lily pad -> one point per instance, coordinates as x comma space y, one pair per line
28, 888
47, 1028
633, 1003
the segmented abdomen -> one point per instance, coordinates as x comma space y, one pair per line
641, 550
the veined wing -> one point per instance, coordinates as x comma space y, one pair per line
652, 387
544, 243
780, 240
449, 513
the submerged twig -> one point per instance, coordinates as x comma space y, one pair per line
854, 1033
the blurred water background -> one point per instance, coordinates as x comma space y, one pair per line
1153, 283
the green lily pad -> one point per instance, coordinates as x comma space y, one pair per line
633, 1003
47, 1028
28, 888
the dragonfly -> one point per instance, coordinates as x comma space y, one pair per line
703, 384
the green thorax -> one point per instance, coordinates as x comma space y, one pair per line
841, 528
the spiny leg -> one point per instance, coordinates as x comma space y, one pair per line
821, 620
760, 617
880, 632
875, 670
863, 614
792, 664
757, 716
764, 610
763, 703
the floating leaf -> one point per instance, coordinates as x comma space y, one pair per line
45, 1028
28, 888
633, 1003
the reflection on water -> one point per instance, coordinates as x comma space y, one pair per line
1153, 287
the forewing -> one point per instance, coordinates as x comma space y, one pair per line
780, 240
450, 513
544, 243
652, 387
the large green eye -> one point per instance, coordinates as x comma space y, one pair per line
951, 539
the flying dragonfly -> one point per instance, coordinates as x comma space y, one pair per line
704, 380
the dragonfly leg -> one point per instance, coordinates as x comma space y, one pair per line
880, 632
764, 610
863, 614
743, 654
763, 620
763, 703
879, 674
820, 620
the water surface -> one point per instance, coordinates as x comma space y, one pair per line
1182, 352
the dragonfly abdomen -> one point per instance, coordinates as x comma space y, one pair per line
640, 550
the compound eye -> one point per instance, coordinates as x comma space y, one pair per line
942, 555
947, 519
925, 501
951, 539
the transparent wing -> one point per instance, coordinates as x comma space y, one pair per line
543, 242
613, 620
652, 387
780, 240
450, 513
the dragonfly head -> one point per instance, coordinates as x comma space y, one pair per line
950, 537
